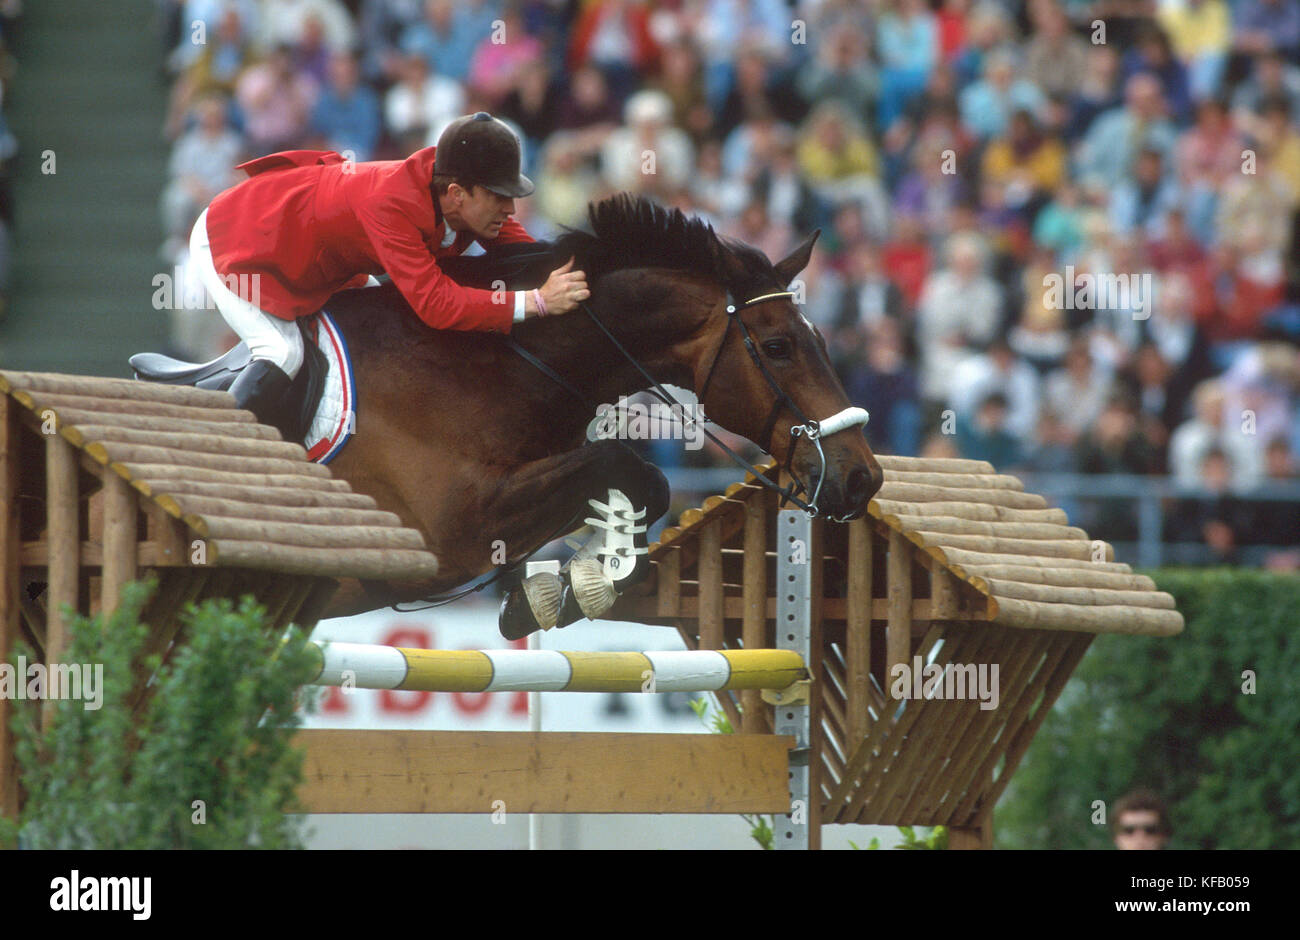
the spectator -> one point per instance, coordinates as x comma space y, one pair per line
445, 37
283, 23
984, 436
681, 78
842, 70
867, 295
987, 105
202, 164
1152, 55
1140, 821
756, 92
214, 71
1025, 163
1115, 444
1098, 92
1214, 517
1077, 393
382, 24
614, 36
788, 198
1056, 61
1201, 34
998, 370
958, 310
1195, 438
647, 155
501, 57
838, 157
420, 105
1140, 204
346, 116
1107, 153
878, 376
907, 44
276, 102
1263, 25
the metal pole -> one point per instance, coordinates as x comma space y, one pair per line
793, 632
535, 698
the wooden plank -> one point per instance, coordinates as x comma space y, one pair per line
667, 599
898, 584
943, 594
710, 574
349, 771
754, 599
120, 536
10, 587
646, 609
857, 650
63, 510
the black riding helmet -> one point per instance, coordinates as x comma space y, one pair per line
479, 149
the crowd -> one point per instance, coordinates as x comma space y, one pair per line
1060, 235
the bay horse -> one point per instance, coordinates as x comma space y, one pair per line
474, 447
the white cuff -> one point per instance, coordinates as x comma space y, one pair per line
519, 306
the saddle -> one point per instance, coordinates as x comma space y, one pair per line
303, 397
520, 265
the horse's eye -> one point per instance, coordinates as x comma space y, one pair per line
778, 348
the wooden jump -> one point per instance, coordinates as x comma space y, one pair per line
388, 667
797, 626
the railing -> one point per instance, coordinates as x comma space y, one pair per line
1149, 494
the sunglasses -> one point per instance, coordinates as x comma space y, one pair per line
1153, 830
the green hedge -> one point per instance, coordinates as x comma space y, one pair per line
1170, 713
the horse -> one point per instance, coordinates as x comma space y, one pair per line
487, 457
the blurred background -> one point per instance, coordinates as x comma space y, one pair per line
956, 156
959, 157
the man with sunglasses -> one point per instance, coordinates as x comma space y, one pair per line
1141, 821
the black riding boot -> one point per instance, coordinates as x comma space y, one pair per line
261, 388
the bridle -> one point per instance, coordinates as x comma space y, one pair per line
807, 427
813, 430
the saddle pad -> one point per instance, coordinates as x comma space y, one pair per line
335, 420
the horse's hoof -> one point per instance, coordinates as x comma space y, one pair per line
535, 605
593, 591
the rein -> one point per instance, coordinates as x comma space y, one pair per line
810, 428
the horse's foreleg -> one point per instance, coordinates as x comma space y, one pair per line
559, 491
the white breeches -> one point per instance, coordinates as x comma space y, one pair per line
268, 337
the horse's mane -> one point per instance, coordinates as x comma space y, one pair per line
632, 231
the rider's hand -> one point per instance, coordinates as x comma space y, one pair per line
564, 289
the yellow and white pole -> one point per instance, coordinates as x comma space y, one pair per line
389, 667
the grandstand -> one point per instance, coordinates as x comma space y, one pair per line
1058, 235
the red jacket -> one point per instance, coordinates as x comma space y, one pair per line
312, 224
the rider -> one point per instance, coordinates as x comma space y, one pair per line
310, 223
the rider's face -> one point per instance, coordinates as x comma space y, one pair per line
480, 210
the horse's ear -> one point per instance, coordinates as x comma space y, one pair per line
796, 261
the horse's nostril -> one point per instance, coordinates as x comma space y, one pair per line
857, 489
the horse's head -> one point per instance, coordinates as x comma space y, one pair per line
761, 370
